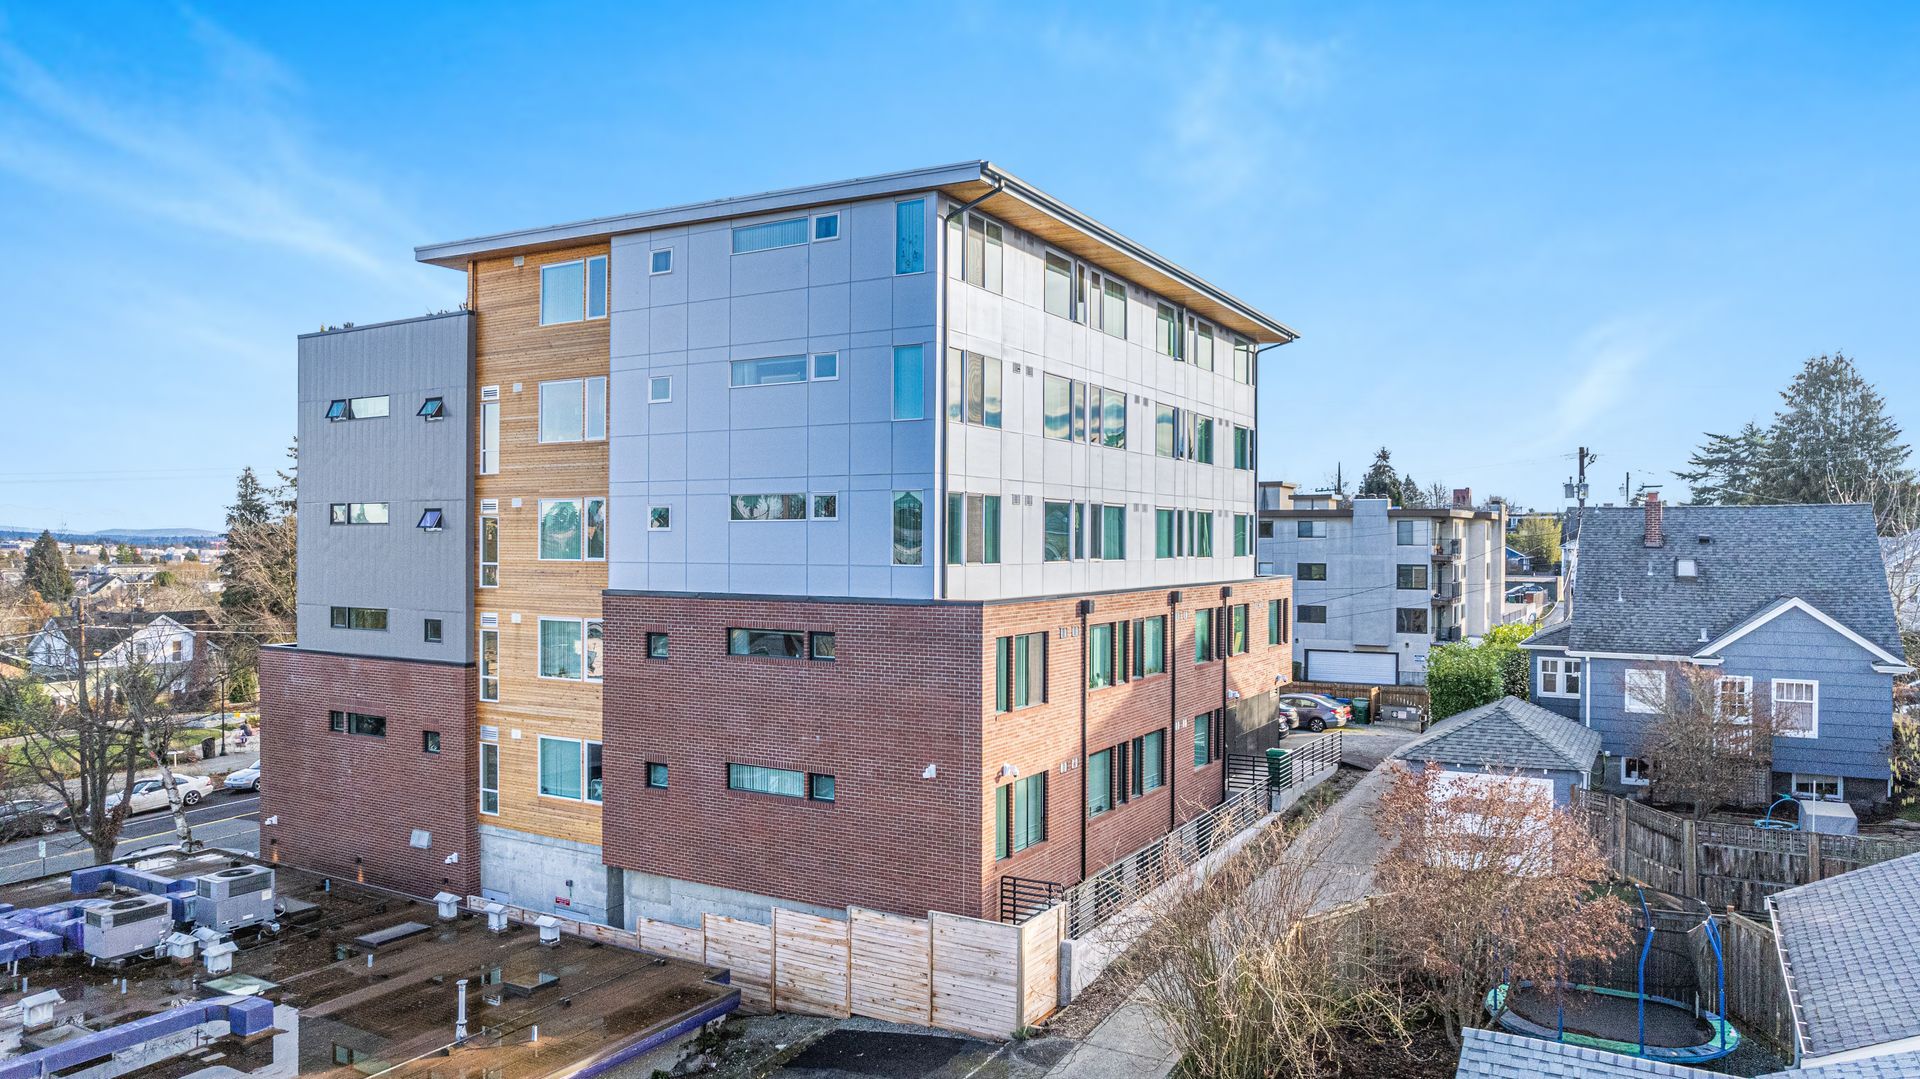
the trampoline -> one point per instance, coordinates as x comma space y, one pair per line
1663, 1017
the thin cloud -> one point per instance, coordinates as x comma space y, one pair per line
1609, 359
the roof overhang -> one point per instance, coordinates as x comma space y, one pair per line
1886, 662
999, 193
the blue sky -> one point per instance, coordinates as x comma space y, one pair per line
1502, 230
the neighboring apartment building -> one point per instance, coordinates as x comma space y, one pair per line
1376, 585
1789, 604
866, 543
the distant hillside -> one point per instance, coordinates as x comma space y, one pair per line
153, 537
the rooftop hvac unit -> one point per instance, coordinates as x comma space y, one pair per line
131, 926
232, 898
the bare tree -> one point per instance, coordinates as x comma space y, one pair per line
1710, 741
1249, 981
1485, 880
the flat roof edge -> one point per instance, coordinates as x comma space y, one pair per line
355, 328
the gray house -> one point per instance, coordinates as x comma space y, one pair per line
1789, 605
1510, 735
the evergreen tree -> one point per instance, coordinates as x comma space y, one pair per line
47, 571
1726, 468
1834, 442
257, 572
1381, 481
1412, 495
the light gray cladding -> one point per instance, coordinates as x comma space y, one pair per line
410, 463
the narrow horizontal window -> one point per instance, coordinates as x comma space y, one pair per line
768, 643
772, 234
357, 513
374, 618
770, 371
786, 782
359, 408
775, 507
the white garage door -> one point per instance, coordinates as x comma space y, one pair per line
1371, 668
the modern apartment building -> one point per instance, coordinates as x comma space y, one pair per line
866, 543
1378, 585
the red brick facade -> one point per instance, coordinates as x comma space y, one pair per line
911, 685
349, 803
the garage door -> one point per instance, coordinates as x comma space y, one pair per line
1372, 668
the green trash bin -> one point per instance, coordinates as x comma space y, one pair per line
1362, 710
1279, 768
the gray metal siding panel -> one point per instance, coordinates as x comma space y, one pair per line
408, 462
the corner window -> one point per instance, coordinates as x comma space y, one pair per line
659, 518
430, 520
574, 410
656, 646
433, 408
766, 236
826, 227
660, 262
659, 389
431, 631
910, 236
766, 643
573, 291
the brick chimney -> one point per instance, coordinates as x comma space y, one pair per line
1655, 537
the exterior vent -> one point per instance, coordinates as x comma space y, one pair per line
489, 733
489, 393
1686, 569
489, 505
489, 620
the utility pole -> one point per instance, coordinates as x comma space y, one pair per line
1577, 490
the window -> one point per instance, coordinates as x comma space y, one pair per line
659, 389
1237, 634
1635, 772
908, 511
433, 408
1206, 740
1203, 346
826, 227
1113, 419
1559, 677
1099, 782
1310, 571
766, 236
1056, 522
973, 388
357, 513
768, 643
431, 630
1736, 698
1203, 635
1113, 308
1100, 658
909, 383
1824, 787
770, 371
826, 507
357, 723
1796, 708
1410, 576
489, 438
1242, 535
1403, 534
489, 552
659, 518
1310, 529
561, 772
489, 777
656, 646
1203, 439
1646, 690
1166, 331
1266, 529
983, 253
1059, 286
1110, 535
572, 291
337, 721
574, 410
570, 648
1163, 532
489, 664
1276, 622
820, 646
359, 408
1149, 762
785, 782
1150, 645
430, 520
660, 261
1410, 620
1242, 447
1242, 360
1166, 430
973, 529
910, 236
429, 741
777, 507
593, 772
656, 775
1020, 815
1311, 614
359, 617
826, 366
573, 529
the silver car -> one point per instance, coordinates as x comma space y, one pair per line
1315, 712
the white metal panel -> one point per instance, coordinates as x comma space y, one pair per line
1374, 668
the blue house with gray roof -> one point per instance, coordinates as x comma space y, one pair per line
1788, 604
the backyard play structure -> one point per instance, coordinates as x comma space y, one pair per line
1663, 1016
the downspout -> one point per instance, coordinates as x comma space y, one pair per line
1086, 805
1173, 711
1226, 593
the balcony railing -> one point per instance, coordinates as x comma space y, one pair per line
1444, 594
1447, 635
1446, 550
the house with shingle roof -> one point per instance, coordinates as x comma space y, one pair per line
1850, 948
1510, 736
1496, 1054
1788, 604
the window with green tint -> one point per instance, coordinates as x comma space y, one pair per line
956, 529
1057, 521
1029, 811
909, 383
561, 775
1203, 440
908, 512
1099, 782
1202, 740
1020, 671
562, 643
489, 777
656, 775
1203, 534
1166, 336
821, 788
1242, 535
990, 529
1237, 639
1003, 820
1113, 532
561, 536
1242, 447
910, 236
1100, 655
1203, 635
1312, 614
1162, 533
1151, 755
1150, 645
770, 507
1276, 623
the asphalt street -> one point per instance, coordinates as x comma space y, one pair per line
222, 820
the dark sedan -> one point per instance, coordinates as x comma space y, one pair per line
25, 818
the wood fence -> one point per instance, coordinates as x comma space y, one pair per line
1725, 865
986, 979
1756, 986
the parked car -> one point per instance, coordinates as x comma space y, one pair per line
1316, 712
26, 818
151, 794
244, 779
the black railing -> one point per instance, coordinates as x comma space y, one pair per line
1021, 898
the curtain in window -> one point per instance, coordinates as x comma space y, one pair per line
560, 767
910, 236
560, 648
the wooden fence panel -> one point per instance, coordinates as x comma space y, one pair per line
746, 949
892, 964
1040, 963
687, 942
976, 978
810, 956
1756, 987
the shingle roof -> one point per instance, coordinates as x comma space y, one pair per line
1891, 1066
1495, 1054
1627, 599
1852, 954
1553, 635
1509, 733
